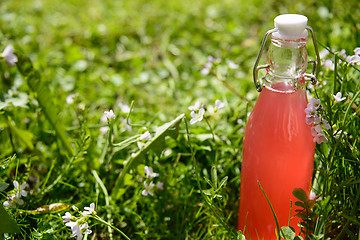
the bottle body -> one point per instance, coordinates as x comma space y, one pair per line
278, 152
278, 147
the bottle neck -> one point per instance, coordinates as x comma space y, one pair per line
287, 59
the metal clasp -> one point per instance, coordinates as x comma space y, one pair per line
315, 64
258, 83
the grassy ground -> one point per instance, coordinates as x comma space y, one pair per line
149, 55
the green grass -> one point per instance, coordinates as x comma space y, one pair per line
149, 55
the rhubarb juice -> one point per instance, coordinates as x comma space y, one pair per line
278, 152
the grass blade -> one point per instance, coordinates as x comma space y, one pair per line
272, 209
44, 97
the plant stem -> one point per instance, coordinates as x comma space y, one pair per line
213, 136
107, 200
272, 209
208, 204
228, 86
111, 226
348, 108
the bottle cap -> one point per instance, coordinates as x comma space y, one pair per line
291, 25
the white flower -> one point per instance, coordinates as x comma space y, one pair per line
342, 53
219, 104
149, 172
86, 227
12, 201
78, 230
70, 98
311, 115
210, 59
197, 117
323, 53
312, 195
9, 55
8, 204
75, 228
147, 190
109, 114
318, 129
72, 225
195, 107
328, 63
19, 192
89, 210
124, 108
355, 59
127, 126
231, 64
338, 133
145, 136
104, 130
207, 68
66, 217
103, 119
324, 124
205, 71
240, 121
320, 125
160, 185
338, 97
20, 189
357, 51
318, 136
315, 103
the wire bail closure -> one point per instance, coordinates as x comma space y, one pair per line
310, 76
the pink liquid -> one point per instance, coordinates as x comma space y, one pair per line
279, 153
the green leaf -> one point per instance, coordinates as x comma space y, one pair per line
300, 204
157, 144
52, 208
302, 215
207, 192
141, 169
300, 194
288, 233
214, 176
317, 237
44, 97
271, 207
128, 179
25, 137
206, 136
24, 64
210, 183
119, 193
3, 186
311, 203
7, 224
5, 162
223, 182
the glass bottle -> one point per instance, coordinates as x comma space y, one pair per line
278, 149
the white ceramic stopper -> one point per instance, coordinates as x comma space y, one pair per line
293, 25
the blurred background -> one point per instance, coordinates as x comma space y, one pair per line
154, 50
